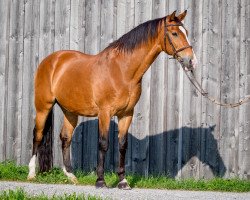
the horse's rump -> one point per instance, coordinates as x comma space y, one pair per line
65, 77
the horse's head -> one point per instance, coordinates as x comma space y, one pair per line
176, 41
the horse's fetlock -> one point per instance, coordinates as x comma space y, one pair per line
122, 150
100, 173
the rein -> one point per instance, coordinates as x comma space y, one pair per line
191, 75
198, 86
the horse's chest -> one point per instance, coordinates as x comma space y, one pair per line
134, 96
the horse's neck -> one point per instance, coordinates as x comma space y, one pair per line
140, 61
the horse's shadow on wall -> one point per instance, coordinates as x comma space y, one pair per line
162, 153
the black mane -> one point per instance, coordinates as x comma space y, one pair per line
140, 34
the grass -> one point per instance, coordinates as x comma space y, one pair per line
21, 195
10, 171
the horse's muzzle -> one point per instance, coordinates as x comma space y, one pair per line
188, 63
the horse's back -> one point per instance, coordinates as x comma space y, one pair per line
54, 60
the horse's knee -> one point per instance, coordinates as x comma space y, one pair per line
123, 143
103, 144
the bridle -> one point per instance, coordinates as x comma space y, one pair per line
167, 36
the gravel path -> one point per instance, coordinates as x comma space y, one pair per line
115, 193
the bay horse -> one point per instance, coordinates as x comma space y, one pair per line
104, 85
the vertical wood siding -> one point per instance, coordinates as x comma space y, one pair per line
174, 131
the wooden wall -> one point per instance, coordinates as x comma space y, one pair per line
174, 131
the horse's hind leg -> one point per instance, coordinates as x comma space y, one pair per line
70, 122
41, 117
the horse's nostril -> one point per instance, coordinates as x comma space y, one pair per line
190, 62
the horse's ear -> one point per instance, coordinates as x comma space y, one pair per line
212, 127
172, 16
182, 15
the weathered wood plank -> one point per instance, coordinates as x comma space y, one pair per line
157, 136
242, 89
4, 43
31, 35
140, 142
47, 28
211, 74
180, 111
77, 25
192, 100
14, 98
205, 39
195, 24
244, 117
228, 89
236, 73
92, 29
174, 108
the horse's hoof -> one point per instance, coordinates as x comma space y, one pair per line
70, 176
74, 180
31, 177
124, 185
100, 184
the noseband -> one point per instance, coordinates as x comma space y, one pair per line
167, 36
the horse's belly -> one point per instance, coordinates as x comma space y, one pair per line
77, 100
82, 108
73, 90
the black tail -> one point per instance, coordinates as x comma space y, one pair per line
45, 150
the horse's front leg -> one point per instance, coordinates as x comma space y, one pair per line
103, 124
123, 126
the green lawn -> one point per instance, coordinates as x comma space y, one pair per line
19, 194
10, 171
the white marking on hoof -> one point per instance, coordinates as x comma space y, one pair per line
124, 181
32, 168
124, 185
71, 176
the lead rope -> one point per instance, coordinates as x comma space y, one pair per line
198, 86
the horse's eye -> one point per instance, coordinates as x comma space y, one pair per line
174, 34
